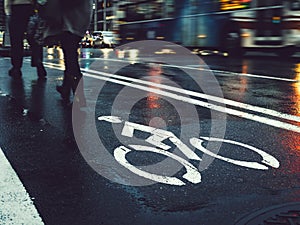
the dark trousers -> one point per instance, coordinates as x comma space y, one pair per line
17, 27
36, 54
69, 44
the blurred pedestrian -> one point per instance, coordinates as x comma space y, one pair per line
75, 20
19, 12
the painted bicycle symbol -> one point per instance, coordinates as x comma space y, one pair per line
156, 139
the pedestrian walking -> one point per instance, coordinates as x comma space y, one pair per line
19, 12
75, 20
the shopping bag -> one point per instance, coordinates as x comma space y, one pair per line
35, 29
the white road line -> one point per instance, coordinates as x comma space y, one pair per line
228, 73
258, 109
219, 72
261, 119
191, 67
264, 120
16, 207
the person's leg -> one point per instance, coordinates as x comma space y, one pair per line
72, 74
34, 31
17, 27
40, 69
35, 54
37, 59
70, 43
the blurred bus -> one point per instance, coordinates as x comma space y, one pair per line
232, 26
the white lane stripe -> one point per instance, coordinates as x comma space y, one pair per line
16, 207
241, 114
258, 109
228, 73
220, 72
270, 122
192, 67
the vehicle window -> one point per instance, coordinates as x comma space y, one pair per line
295, 5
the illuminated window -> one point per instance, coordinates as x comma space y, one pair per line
147, 10
295, 5
235, 4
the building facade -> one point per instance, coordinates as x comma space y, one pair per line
104, 15
2, 16
109, 14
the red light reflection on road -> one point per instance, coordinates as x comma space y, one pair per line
152, 101
245, 67
296, 87
155, 72
287, 178
289, 140
242, 82
297, 105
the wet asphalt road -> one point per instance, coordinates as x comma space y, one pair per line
79, 183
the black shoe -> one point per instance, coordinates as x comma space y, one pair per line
64, 93
15, 72
41, 72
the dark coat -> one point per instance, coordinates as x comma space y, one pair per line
75, 17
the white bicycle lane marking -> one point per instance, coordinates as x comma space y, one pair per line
156, 138
184, 95
16, 206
